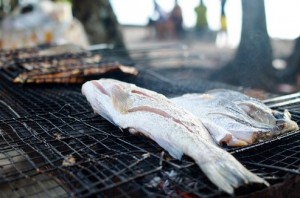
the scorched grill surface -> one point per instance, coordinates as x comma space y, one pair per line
52, 145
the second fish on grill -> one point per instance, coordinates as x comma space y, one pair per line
235, 119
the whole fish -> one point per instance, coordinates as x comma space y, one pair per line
229, 121
173, 128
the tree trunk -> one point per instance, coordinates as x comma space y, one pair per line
99, 21
252, 65
294, 59
253, 59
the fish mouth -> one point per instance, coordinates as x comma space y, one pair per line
286, 124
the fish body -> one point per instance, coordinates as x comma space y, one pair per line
228, 114
173, 128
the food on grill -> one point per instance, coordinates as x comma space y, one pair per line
70, 74
235, 119
57, 64
253, 107
176, 130
9, 57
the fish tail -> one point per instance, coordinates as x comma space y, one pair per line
227, 173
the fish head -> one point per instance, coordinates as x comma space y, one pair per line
284, 121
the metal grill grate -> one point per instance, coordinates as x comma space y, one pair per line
65, 150
54, 65
52, 145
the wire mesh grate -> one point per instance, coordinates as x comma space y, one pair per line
78, 151
52, 145
65, 150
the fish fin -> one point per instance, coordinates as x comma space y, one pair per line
227, 173
219, 134
172, 150
120, 99
287, 114
249, 137
237, 142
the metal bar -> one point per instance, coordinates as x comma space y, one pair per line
285, 103
280, 98
293, 171
10, 108
285, 135
125, 181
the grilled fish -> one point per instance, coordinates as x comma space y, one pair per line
173, 128
234, 119
253, 107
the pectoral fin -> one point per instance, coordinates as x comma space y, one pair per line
219, 134
120, 99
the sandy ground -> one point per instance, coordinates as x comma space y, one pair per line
191, 53
141, 38
205, 51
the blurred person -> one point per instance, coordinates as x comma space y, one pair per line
177, 19
166, 25
159, 15
223, 19
222, 37
201, 23
160, 21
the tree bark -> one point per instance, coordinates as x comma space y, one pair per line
253, 59
252, 65
294, 59
99, 21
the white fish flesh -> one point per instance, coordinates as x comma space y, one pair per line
235, 119
173, 128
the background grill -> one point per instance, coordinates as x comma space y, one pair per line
51, 144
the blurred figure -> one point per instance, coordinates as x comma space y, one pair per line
159, 15
159, 21
177, 20
223, 19
201, 23
222, 38
166, 25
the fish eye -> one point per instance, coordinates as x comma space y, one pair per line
278, 115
